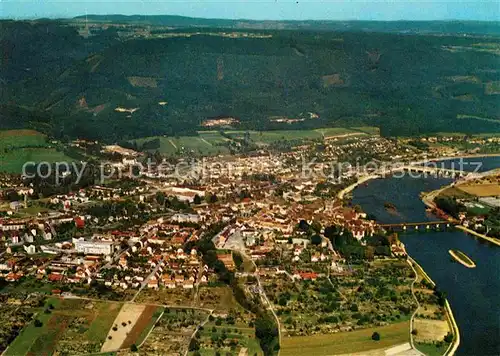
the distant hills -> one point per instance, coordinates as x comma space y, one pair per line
122, 77
421, 27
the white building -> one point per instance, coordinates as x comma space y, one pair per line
191, 218
95, 247
30, 250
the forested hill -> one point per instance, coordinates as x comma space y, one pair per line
113, 81
424, 27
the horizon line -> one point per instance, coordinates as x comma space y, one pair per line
55, 17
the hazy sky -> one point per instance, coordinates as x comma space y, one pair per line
262, 9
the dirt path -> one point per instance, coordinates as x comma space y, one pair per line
173, 144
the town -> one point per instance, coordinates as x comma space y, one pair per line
268, 242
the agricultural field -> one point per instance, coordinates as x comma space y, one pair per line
482, 190
20, 146
172, 332
346, 342
194, 145
66, 326
213, 143
131, 326
484, 187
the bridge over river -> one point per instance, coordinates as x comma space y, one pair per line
434, 170
425, 225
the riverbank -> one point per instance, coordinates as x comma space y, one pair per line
477, 234
428, 200
350, 188
365, 179
452, 348
462, 258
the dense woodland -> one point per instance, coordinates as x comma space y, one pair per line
68, 86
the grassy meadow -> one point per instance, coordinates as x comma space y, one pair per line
20, 146
346, 342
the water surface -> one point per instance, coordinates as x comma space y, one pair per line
474, 294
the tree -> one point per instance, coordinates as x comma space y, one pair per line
448, 338
160, 198
38, 323
194, 345
133, 348
266, 331
303, 225
316, 239
376, 336
197, 199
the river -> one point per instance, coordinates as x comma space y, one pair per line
473, 293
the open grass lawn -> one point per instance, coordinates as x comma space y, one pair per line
432, 349
20, 146
12, 161
73, 325
346, 342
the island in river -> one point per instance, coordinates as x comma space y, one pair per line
462, 258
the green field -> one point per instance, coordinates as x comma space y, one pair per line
432, 349
13, 161
197, 145
21, 138
73, 325
346, 342
213, 143
20, 146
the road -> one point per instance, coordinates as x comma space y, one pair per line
196, 330
412, 319
263, 295
146, 280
